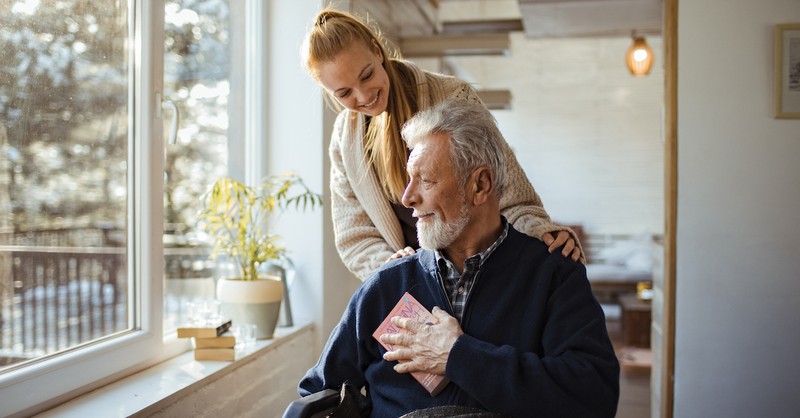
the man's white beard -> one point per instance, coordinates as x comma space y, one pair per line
438, 234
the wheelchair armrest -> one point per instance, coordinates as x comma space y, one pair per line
314, 405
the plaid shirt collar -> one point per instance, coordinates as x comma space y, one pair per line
458, 286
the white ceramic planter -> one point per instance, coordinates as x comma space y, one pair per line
252, 302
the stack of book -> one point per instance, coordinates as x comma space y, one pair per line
211, 342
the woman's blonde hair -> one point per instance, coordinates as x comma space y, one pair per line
332, 32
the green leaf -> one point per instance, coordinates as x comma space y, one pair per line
238, 217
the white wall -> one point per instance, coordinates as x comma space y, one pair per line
738, 269
586, 132
299, 133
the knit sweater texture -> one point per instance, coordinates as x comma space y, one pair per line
534, 345
367, 231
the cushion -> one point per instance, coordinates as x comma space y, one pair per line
615, 273
635, 253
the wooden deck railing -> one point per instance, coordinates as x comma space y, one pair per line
62, 287
53, 298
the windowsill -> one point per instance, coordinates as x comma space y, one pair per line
168, 381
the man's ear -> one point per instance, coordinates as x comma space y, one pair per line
482, 183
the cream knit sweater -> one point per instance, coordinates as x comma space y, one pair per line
366, 228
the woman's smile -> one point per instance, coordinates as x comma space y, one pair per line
373, 102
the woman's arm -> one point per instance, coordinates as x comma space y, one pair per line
361, 246
520, 203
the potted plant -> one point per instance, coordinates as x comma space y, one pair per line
239, 218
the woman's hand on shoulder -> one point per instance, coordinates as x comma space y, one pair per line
563, 238
403, 252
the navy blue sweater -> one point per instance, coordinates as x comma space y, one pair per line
535, 342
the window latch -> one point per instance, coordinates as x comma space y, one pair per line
176, 118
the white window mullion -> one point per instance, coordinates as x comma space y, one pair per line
256, 106
147, 179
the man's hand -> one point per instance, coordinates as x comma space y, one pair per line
403, 252
422, 347
563, 238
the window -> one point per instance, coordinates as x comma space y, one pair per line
64, 177
86, 177
99, 246
76, 170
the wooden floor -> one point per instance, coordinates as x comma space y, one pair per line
634, 397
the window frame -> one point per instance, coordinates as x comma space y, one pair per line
43, 384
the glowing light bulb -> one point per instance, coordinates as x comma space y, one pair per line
639, 57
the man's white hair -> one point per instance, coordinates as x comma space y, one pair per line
475, 139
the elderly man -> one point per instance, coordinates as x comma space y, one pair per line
519, 332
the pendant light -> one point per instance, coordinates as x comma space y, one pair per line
639, 57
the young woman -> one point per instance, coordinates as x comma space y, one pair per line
379, 91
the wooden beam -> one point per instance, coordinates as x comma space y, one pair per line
667, 365
482, 26
496, 99
456, 45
